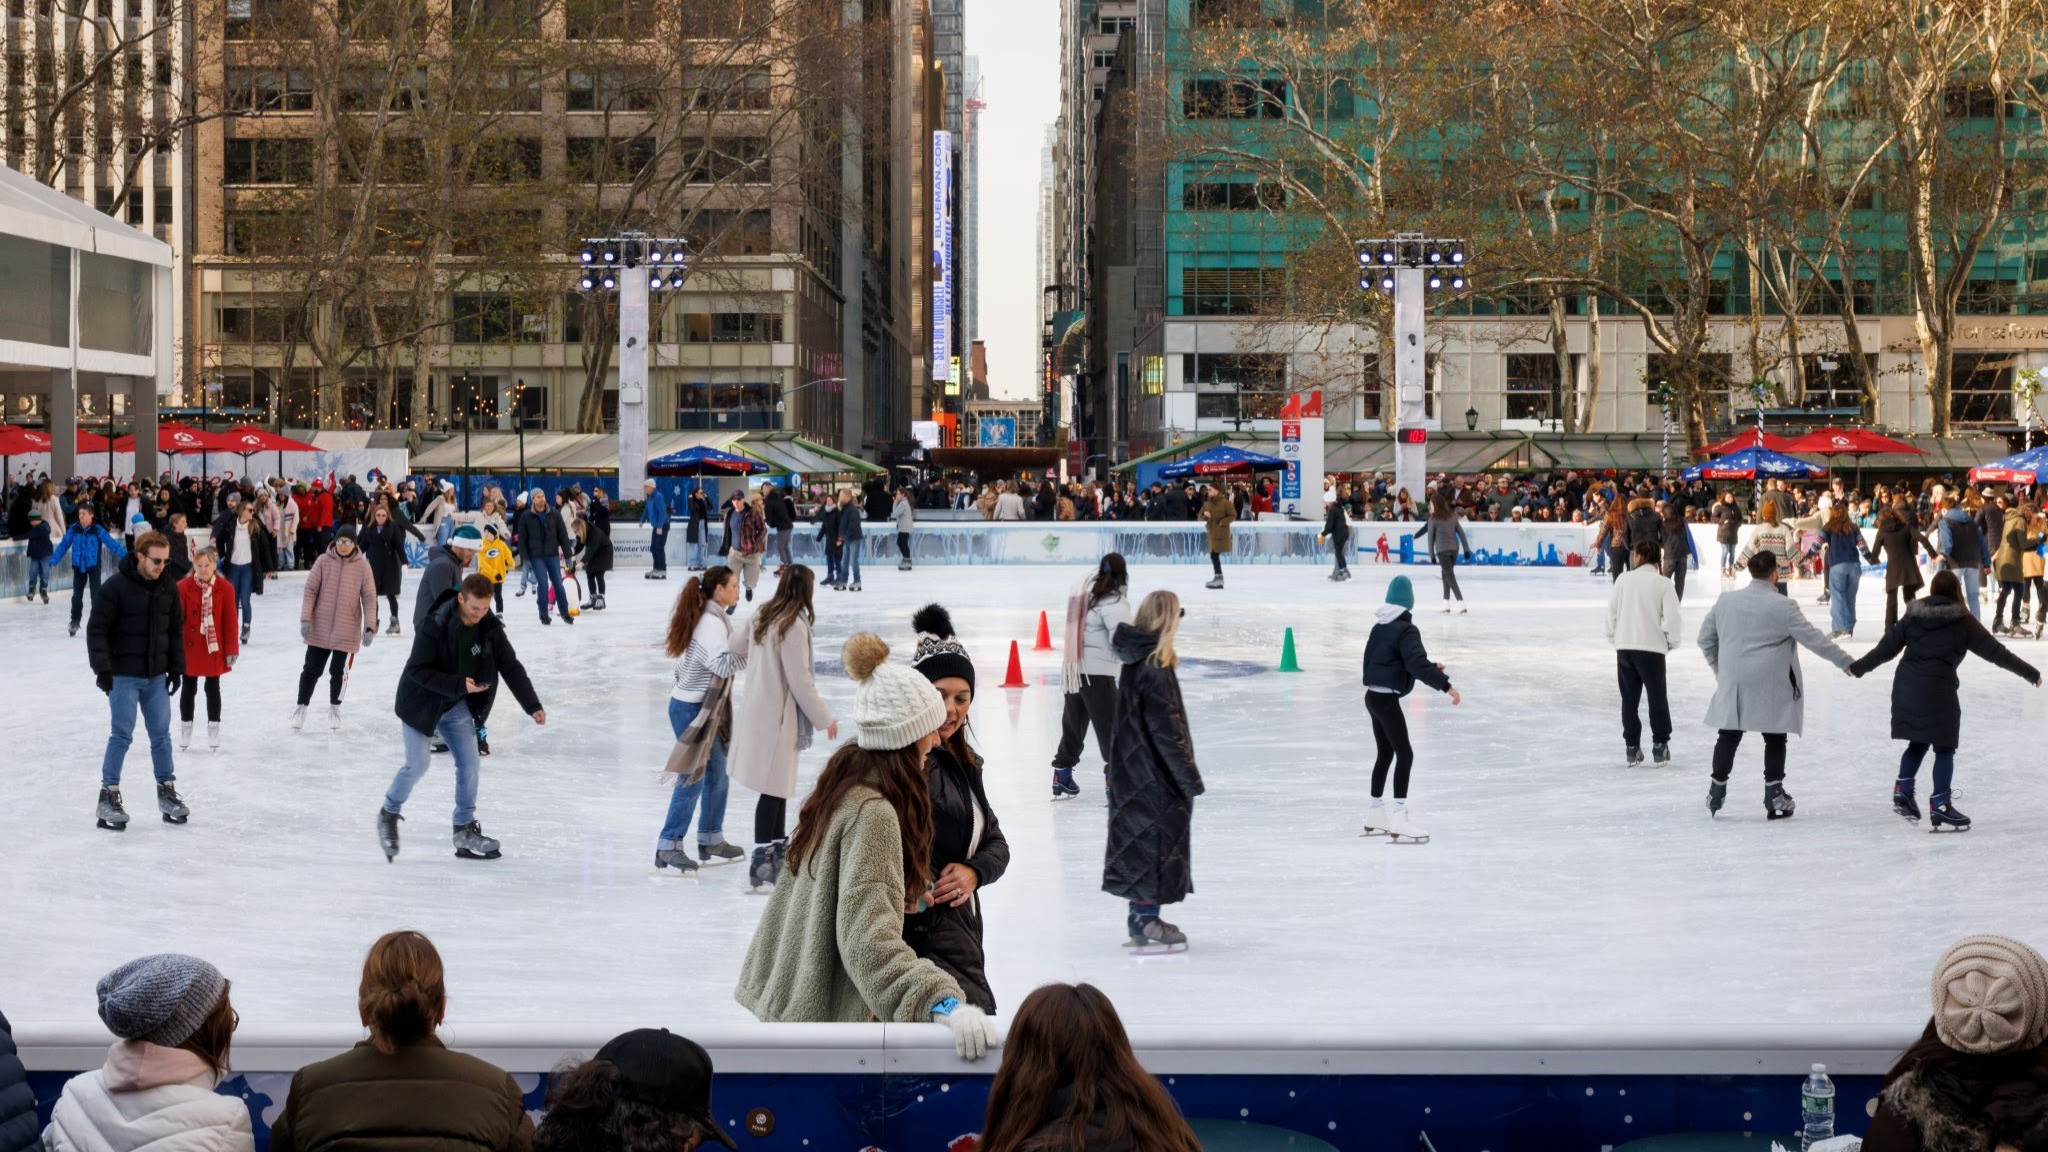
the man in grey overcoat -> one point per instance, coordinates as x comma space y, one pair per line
1750, 639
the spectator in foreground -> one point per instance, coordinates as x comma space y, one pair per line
402, 1090
157, 1088
1070, 1082
645, 1089
1977, 1078
17, 1104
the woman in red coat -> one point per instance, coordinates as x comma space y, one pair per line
211, 642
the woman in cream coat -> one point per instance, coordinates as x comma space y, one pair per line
777, 703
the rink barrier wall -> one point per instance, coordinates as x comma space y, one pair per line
900, 1087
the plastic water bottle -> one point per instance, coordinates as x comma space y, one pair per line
1816, 1108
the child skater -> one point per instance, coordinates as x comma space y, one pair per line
1935, 634
211, 642
1394, 661
494, 561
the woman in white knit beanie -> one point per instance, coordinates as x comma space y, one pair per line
829, 947
1977, 1079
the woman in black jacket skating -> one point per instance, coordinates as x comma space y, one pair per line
968, 848
1926, 709
1897, 545
1394, 661
382, 541
1153, 780
1337, 530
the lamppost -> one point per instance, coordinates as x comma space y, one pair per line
519, 423
780, 406
613, 263
1828, 364
468, 412
1471, 419
1405, 267
1663, 394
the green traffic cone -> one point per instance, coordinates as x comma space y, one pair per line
1287, 661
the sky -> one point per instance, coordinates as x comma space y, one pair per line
1018, 42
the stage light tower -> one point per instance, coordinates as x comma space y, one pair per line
1406, 267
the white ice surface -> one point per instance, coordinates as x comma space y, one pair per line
1559, 888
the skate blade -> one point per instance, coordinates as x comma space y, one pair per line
1392, 839
176, 819
466, 854
112, 827
1369, 830
1062, 798
660, 873
1144, 951
715, 862
1940, 828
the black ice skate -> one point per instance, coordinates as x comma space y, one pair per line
1151, 936
1717, 794
110, 814
720, 853
1635, 755
387, 833
677, 859
169, 805
1942, 815
1778, 802
1903, 802
766, 868
1063, 786
472, 844
1660, 752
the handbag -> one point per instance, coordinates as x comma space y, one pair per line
691, 755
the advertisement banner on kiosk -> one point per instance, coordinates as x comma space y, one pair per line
1301, 446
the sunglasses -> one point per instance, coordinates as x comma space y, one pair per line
1183, 613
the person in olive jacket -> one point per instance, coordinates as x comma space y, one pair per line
135, 639
1927, 710
1153, 780
402, 1090
18, 1130
968, 848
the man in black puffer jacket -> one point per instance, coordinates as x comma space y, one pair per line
18, 1130
136, 642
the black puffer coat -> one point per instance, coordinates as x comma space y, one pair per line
946, 935
383, 546
1153, 781
18, 1129
430, 685
540, 535
597, 548
137, 626
1394, 656
1898, 547
1935, 634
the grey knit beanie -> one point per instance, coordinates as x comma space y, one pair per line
1991, 995
161, 999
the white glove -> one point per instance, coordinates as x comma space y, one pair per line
971, 1031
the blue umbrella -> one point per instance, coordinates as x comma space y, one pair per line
1223, 459
702, 461
1755, 464
2029, 467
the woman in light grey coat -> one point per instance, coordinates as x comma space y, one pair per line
778, 707
1751, 639
905, 519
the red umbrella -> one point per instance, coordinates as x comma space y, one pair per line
1751, 438
179, 438
251, 439
19, 441
1849, 442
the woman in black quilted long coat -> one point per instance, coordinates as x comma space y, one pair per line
1153, 781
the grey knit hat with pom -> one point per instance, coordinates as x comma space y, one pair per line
160, 999
1991, 995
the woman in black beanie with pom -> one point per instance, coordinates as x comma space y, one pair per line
968, 849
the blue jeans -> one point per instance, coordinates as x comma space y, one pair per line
712, 786
457, 728
242, 577
658, 546
154, 697
697, 551
850, 559
1842, 582
1728, 555
39, 575
1944, 766
1973, 579
547, 572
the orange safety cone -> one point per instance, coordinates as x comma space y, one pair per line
1016, 677
1044, 641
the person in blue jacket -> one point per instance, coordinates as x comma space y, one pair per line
1394, 661
654, 511
82, 542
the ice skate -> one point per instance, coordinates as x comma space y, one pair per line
169, 805
1903, 804
720, 853
299, 718
1635, 755
766, 868
1405, 830
903, 566
597, 603
393, 630
1063, 786
110, 814
1717, 794
483, 745
334, 717
1376, 820
245, 633
1214, 582
472, 844
1151, 936
213, 735
74, 628
184, 735
1942, 815
856, 585
673, 862
387, 833
1660, 752
1778, 802
1462, 609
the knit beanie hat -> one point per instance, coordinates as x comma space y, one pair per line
1401, 592
467, 537
160, 999
938, 654
1991, 995
893, 707
345, 532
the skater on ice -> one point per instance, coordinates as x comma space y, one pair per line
969, 851
1751, 639
458, 655
1643, 625
85, 542
1394, 661
1897, 546
136, 644
1842, 544
445, 567
1153, 780
1089, 669
1337, 534
1927, 710
778, 714
540, 536
860, 861
699, 640
1218, 513
1443, 538
244, 551
655, 514
337, 618
382, 542
207, 605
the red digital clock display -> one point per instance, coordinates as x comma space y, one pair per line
1413, 435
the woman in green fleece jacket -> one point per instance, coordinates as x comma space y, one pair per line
830, 946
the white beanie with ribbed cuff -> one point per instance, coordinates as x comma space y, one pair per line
894, 707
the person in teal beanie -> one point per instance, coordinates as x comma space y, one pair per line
1394, 661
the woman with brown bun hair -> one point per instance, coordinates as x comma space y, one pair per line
1070, 1083
402, 1089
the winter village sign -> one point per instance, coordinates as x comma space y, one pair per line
2014, 336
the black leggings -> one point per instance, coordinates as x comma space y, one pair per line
187, 698
1891, 603
596, 583
1216, 562
1390, 735
1677, 575
392, 599
771, 817
1093, 703
498, 594
903, 545
1448, 561
1342, 549
337, 664
1774, 755
2016, 589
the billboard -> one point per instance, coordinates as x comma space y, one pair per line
997, 431
942, 256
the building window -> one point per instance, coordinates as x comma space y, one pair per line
1980, 387
1236, 98
732, 327
614, 90
268, 160
1532, 389
1233, 196
718, 232
597, 159
506, 160
254, 233
491, 318
1986, 298
1115, 25
262, 90
259, 325
720, 407
474, 398
737, 159
1231, 291
728, 89
1102, 59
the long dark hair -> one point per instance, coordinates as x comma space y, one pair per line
899, 776
1112, 576
1068, 1036
792, 599
1984, 1084
682, 623
586, 1113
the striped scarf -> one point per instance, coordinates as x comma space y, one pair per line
206, 625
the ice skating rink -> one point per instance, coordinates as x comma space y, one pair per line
1560, 888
